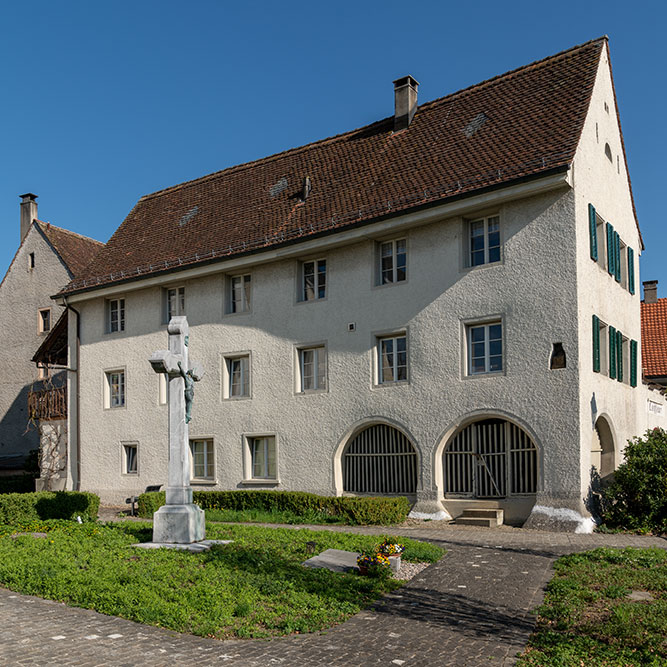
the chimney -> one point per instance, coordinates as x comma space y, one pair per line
650, 291
28, 212
405, 102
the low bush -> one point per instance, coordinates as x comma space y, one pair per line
21, 507
636, 499
353, 511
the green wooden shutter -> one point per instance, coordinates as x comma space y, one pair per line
631, 270
596, 344
593, 232
617, 258
633, 363
611, 255
619, 356
612, 352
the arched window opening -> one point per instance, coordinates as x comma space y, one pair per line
602, 449
490, 458
380, 460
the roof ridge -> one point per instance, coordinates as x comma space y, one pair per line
336, 137
50, 225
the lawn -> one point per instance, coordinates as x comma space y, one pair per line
589, 619
254, 587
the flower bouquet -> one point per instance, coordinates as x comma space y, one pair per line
391, 548
374, 564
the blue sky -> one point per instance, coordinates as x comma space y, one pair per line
105, 102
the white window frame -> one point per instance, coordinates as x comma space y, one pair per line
380, 341
41, 320
604, 348
111, 402
119, 305
485, 326
228, 362
124, 447
485, 220
303, 296
320, 361
395, 278
244, 291
178, 294
209, 475
43, 371
250, 441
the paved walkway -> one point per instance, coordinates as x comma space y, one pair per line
471, 608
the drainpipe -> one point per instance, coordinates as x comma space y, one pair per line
78, 396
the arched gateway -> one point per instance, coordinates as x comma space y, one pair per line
380, 460
490, 458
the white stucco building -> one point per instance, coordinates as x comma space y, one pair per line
434, 305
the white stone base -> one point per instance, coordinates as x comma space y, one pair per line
559, 519
195, 547
178, 524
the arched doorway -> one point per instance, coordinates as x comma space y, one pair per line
490, 459
380, 459
603, 457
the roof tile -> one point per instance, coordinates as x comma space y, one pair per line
654, 338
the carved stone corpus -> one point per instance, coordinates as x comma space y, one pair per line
179, 521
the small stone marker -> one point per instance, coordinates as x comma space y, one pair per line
335, 560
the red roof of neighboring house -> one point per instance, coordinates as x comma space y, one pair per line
75, 251
654, 338
522, 124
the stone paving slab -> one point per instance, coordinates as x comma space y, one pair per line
335, 560
471, 608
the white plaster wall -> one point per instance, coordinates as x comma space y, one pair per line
605, 185
22, 293
533, 290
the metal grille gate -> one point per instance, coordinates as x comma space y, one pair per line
380, 459
488, 458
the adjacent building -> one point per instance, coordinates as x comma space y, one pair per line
443, 304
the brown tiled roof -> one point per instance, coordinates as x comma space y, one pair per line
76, 251
654, 338
518, 125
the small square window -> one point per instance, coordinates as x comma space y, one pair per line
44, 321
392, 262
114, 389
392, 355
115, 315
263, 457
484, 241
174, 302
313, 280
130, 458
202, 459
237, 377
312, 368
239, 293
485, 348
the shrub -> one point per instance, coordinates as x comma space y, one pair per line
355, 511
21, 507
636, 499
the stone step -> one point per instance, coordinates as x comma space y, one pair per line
485, 513
488, 518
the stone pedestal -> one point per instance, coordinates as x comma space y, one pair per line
178, 524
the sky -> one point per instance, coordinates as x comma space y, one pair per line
107, 101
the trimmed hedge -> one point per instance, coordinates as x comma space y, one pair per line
17, 484
20, 507
355, 511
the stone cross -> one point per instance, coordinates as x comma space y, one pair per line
179, 521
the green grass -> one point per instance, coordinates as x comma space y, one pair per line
254, 587
273, 516
587, 618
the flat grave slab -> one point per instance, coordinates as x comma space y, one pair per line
335, 560
194, 547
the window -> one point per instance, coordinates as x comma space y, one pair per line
44, 321
313, 280
175, 302
313, 368
485, 348
31, 260
484, 241
130, 458
239, 294
263, 457
114, 389
237, 377
201, 452
115, 315
392, 359
392, 262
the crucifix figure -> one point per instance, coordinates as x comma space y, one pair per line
179, 521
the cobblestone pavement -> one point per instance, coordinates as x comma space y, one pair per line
471, 608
